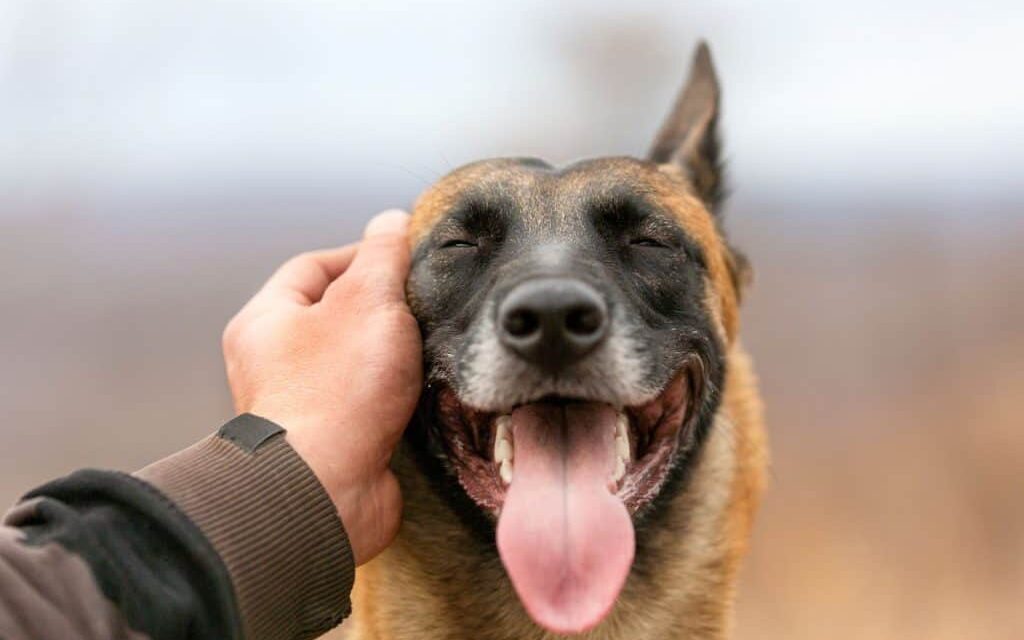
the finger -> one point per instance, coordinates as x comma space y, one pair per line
383, 257
303, 279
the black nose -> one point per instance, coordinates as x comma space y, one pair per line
552, 322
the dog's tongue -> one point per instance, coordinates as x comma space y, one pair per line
565, 540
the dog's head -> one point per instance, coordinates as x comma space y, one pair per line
575, 324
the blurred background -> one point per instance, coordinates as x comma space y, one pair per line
159, 159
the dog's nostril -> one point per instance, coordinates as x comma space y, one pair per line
521, 323
584, 320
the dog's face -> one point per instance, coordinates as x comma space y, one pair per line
575, 323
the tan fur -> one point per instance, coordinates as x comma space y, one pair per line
438, 581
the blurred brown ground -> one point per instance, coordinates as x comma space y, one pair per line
893, 372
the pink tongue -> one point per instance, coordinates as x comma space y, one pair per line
566, 541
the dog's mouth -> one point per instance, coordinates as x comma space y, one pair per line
481, 445
564, 477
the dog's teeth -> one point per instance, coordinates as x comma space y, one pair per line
620, 469
622, 437
503, 428
622, 425
622, 447
505, 471
502, 450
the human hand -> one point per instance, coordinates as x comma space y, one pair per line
329, 350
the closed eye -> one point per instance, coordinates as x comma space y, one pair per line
458, 244
647, 242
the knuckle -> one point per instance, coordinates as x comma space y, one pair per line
302, 259
387, 249
359, 286
387, 241
370, 285
301, 263
230, 336
380, 280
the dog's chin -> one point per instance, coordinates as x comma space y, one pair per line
480, 446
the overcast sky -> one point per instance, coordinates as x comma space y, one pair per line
124, 101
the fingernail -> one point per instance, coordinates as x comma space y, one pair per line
387, 222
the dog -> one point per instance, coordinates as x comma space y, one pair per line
588, 453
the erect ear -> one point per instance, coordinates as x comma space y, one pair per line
689, 139
689, 136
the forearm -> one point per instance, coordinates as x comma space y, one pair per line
233, 537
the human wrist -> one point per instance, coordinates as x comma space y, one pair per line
361, 487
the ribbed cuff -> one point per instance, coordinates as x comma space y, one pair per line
272, 523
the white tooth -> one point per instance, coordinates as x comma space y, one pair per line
503, 428
622, 447
620, 470
505, 471
502, 450
621, 425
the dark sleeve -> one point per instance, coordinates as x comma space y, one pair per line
231, 538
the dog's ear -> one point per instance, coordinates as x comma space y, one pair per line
689, 136
689, 139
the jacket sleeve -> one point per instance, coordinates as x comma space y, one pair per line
233, 537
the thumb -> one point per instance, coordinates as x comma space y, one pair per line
383, 259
